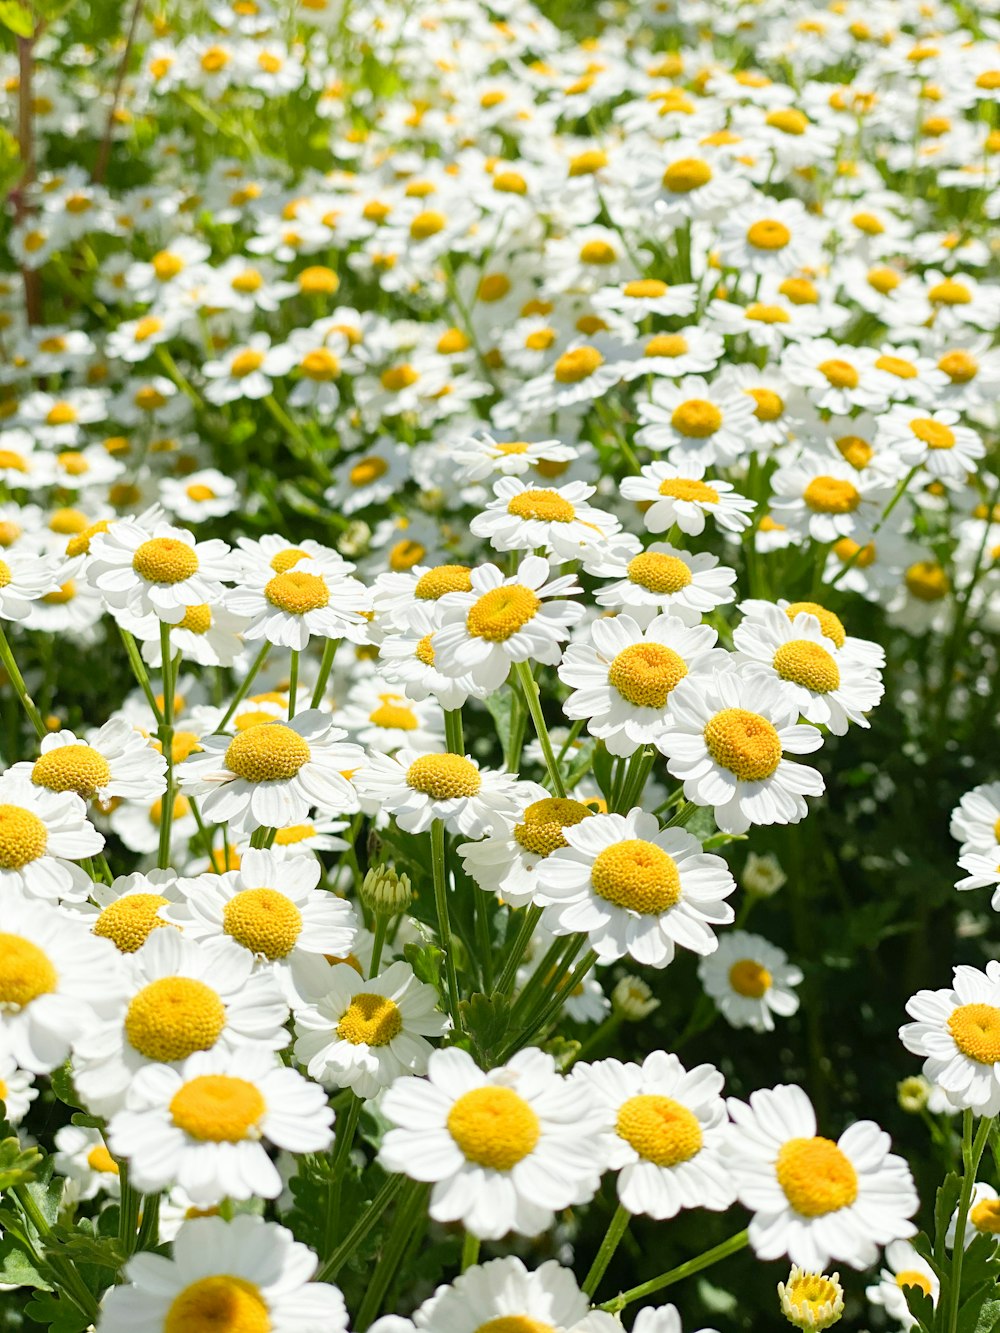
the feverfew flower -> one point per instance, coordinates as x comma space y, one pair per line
42, 835
526, 518
681, 495
417, 788
958, 1031
750, 980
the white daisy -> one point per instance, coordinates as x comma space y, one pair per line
984, 1213
417, 788
26, 578
156, 569
669, 495
308, 599
526, 518
904, 1268
16, 1088
975, 821
837, 377
750, 980
42, 835
661, 579
697, 422
398, 597
83, 1158
933, 439
828, 498
407, 658
958, 1031
118, 760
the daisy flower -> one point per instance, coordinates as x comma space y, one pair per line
271, 906
24, 579
129, 908
983, 870
811, 1198
828, 497
203, 1125
481, 456
153, 568
661, 578
16, 1090
579, 375
864, 650
811, 1300
56, 980
504, 1149
904, 1268
728, 743
118, 761
766, 235
623, 678
827, 685
958, 1031
272, 773
635, 889
526, 518
523, 617
932, 439
398, 597
665, 1133
200, 495
417, 788
246, 371
697, 422
310, 598
247, 1273
975, 821
181, 998
640, 297
83, 1158
984, 1215
364, 1034
665, 1319
383, 719
750, 980
408, 657
369, 479
837, 377
668, 495
42, 835
689, 351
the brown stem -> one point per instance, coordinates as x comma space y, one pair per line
26, 145
104, 152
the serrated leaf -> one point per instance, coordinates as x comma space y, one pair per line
17, 1267
55, 1314
62, 1086
945, 1203
989, 1317
83, 1249
17, 1164
487, 1019
921, 1307
426, 961
17, 17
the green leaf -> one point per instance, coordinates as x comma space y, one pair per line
501, 705
17, 17
17, 1164
55, 1314
487, 1019
989, 1317
11, 166
84, 1249
921, 1307
17, 1266
945, 1204
426, 961
62, 1086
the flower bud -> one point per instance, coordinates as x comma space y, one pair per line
913, 1093
355, 538
763, 875
384, 892
633, 999
811, 1300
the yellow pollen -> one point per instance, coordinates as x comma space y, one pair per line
405, 554
666, 344
800, 291
985, 1216
248, 281
515, 1323
841, 374
830, 495
884, 280
949, 292
25, 972
9, 533
297, 592
960, 366
637, 876
989, 80
591, 324
264, 921
806, 663
743, 742
368, 470
61, 414
23, 837
493, 287
370, 1020
246, 362
218, 1304
788, 120
172, 1018
577, 365
816, 1176
266, 752
910, 1277
165, 560
148, 398
597, 252
397, 378
543, 506
393, 713
855, 450
680, 488
320, 365
68, 522
927, 581
214, 58
167, 265
645, 673
767, 314
199, 492
197, 619
768, 234
424, 651
868, 223
294, 833
645, 289
501, 612
318, 281
749, 979
11, 461
494, 1127
453, 341
182, 807
687, 174
830, 624
661, 1130
588, 163
61, 595
99, 1159
444, 777
510, 182
975, 1030
696, 419
659, 573
809, 1293
287, 559
78, 768
933, 433
427, 224
130, 921
541, 829
217, 1108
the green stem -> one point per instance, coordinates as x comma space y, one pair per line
612, 1238
470, 1250
346, 1131
411, 1209
574, 731
681, 816
75, 1287
971, 1155
149, 1224
139, 671
454, 738
359, 1232
325, 667
529, 689
17, 680
696, 1265
898, 495
522, 939
381, 930
166, 735
129, 1208
440, 873
293, 682
244, 689
540, 1020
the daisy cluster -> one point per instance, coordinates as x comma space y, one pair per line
459, 481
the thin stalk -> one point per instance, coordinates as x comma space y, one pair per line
381, 930
149, 1224
346, 1131
681, 817
898, 495
74, 1285
522, 939
293, 682
20, 689
470, 1250
411, 1208
454, 738
440, 873
529, 688
540, 1020
721, 1251
325, 667
139, 671
244, 689
165, 732
359, 1232
104, 152
129, 1209
612, 1238
971, 1155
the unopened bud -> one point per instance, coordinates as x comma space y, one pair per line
913, 1094
763, 875
633, 999
384, 892
355, 538
811, 1300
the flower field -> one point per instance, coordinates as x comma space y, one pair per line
499, 675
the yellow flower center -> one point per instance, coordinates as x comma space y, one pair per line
297, 592
510, 182
424, 651
645, 673
197, 619
263, 921
165, 560
960, 366
320, 365
841, 374
768, 234
443, 777
830, 495
266, 752
434, 583
927, 581
788, 120
697, 419
743, 742
816, 1176
515, 1323
666, 344
687, 174
246, 362
218, 1304
172, 1018
910, 1277
494, 1127
397, 378
806, 663
146, 327
23, 837
78, 768
812, 1291
199, 492
427, 224
367, 471
831, 625
62, 595
949, 292
167, 265
767, 314
501, 612
577, 365
637, 875
588, 162
318, 281
370, 1020
749, 979
897, 366
541, 829
25, 972
248, 281
544, 506
975, 1029
129, 922
493, 287
868, 223
855, 450
216, 1108
99, 1159
884, 280
933, 433
985, 1216
182, 807
597, 252
61, 414
80, 545
659, 573
660, 1129
12, 461
680, 488
646, 289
